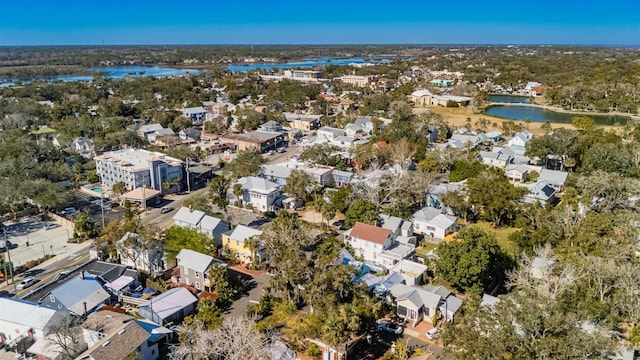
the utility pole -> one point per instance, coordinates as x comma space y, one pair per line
102, 209
8, 246
188, 178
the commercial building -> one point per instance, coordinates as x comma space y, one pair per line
138, 168
262, 141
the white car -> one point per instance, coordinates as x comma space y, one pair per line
49, 226
26, 282
390, 327
433, 333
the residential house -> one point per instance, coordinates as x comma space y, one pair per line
280, 172
20, 319
196, 219
426, 98
45, 133
411, 272
236, 242
432, 133
463, 141
329, 133
399, 226
376, 245
271, 126
434, 193
194, 269
433, 223
303, 122
159, 137
541, 193
261, 141
521, 139
169, 307
518, 173
113, 335
415, 304
362, 126
83, 146
342, 178
555, 179
79, 295
135, 252
489, 301
259, 193
493, 136
196, 114
189, 135
495, 159
148, 129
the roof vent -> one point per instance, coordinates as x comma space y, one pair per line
122, 331
106, 343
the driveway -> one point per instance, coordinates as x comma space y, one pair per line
256, 282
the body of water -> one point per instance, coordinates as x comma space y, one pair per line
308, 63
510, 99
536, 114
112, 72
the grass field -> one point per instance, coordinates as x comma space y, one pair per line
501, 234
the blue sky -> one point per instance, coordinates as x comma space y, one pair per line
72, 22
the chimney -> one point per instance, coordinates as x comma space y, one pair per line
82, 275
190, 208
84, 308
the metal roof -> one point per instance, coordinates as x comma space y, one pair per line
188, 216
27, 313
170, 302
242, 233
195, 260
77, 291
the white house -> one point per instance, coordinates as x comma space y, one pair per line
369, 241
496, 159
517, 172
195, 219
415, 304
135, 252
556, 179
432, 223
520, 139
399, 226
329, 133
411, 272
21, 318
260, 193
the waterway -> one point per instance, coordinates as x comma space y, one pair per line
308, 63
112, 72
538, 114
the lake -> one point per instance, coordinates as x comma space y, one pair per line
536, 114
112, 72
308, 63
510, 99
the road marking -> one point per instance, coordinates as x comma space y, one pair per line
253, 302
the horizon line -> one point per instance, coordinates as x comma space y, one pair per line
331, 44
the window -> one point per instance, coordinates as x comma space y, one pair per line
52, 298
197, 274
431, 228
197, 285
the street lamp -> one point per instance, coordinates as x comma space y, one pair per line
43, 253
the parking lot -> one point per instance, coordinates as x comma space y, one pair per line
91, 205
32, 231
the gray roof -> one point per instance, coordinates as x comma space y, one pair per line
76, 291
303, 117
210, 223
451, 304
488, 300
194, 110
519, 168
196, 261
277, 171
149, 128
254, 136
242, 233
427, 213
257, 184
170, 302
334, 131
407, 266
541, 190
271, 123
188, 216
344, 139
342, 173
393, 223
27, 313
439, 290
418, 296
553, 177
164, 132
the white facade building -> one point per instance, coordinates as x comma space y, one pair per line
138, 168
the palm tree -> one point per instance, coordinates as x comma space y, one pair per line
238, 192
252, 245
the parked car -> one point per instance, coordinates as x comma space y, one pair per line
62, 274
271, 152
26, 282
5, 294
281, 150
390, 327
49, 226
166, 209
7, 245
433, 333
69, 211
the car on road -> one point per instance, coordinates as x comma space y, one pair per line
49, 226
61, 275
390, 327
271, 152
26, 282
281, 150
5, 294
166, 209
433, 333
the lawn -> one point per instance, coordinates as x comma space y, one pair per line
425, 248
502, 234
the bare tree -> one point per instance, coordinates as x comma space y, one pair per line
237, 339
66, 334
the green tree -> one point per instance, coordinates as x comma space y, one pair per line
92, 177
583, 123
494, 196
119, 188
361, 210
298, 184
473, 262
218, 189
85, 228
178, 238
246, 163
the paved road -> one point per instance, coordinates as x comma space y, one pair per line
153, 216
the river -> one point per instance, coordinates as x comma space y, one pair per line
308, 63
112, 72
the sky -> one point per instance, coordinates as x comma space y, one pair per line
118, 22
